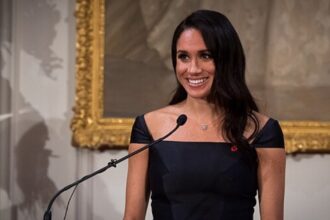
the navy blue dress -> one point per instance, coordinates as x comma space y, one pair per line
202, 180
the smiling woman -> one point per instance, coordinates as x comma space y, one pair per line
120, 76
225, 151
194, 66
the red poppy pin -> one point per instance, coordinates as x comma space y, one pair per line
233, 148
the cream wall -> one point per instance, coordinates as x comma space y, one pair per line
37, 159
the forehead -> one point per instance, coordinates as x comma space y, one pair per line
191, 39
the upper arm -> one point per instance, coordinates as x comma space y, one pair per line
137, 190
271, 179
269, 144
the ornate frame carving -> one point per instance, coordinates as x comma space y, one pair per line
91, 130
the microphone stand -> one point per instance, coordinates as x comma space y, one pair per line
113, 163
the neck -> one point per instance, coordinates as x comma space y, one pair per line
201, 109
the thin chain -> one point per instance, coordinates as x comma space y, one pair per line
205, 126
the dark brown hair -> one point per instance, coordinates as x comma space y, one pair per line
229, 91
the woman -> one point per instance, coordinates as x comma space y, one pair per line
213, 166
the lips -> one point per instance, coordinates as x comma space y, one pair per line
197, 82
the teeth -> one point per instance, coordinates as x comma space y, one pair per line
196, 81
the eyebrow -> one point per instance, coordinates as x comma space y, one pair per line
200, 51
181, 51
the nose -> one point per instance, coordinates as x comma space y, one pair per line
194, 67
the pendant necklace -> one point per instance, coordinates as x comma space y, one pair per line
204, 127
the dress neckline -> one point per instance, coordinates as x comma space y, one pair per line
260, 132
197, 142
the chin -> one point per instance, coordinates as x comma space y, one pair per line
196, 95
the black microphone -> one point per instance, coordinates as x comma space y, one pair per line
181, 120
113, 163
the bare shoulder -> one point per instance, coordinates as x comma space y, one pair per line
160, 121
250, 128
262, 119
159, 115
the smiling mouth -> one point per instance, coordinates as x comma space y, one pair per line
197, 82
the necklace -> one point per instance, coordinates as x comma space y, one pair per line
204, 126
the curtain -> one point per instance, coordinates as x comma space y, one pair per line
5, 106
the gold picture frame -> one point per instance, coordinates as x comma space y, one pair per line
92, 130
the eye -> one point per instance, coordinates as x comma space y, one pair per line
183, 57
206, 56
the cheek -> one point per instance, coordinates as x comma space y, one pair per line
179, 76
180, 68
210, 67
213, 71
